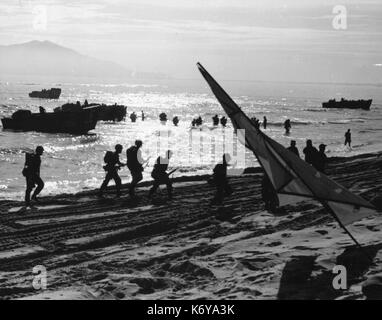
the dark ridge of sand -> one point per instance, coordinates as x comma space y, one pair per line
187, 249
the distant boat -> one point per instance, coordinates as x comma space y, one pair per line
348, 104
75, 122
53, 93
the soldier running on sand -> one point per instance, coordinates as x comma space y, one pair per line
31, 172
220, 180
293, 148
160, 175
310, 152
112, 166
134, 163
321, 158
268, 194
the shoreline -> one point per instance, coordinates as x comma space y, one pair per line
187, 249
188, 178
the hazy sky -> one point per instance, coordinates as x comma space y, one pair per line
286, 40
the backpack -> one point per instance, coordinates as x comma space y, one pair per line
219, 170
28, 162
131, 155
108, 158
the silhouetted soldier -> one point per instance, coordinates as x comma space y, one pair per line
42, 109
293, 148
142, 116
257, 124
321, 158
223, 121
265, 122
193, 122
268, 194
199, 121
348, 138
112, 166
287, 126
175, 121
220, 180
134, 163
215, 120
78, 104
31, 172
133, 117
86, 103
163, 117
310, 152
160, 175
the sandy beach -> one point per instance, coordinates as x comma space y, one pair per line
187, 249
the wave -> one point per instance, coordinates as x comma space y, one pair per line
339, 121
15, 150
315, 110
346, 121
125, 85
295, 123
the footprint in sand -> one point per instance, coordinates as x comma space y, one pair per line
286, 235
275, 244
373, 228
323, 232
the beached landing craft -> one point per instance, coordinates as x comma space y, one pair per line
75, 122
348, 104
53, 93
104, 112
111, 112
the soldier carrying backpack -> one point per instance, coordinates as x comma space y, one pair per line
160, 175
134, 163
31, 172
219, 179
112, 166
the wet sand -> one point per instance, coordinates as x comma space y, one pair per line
187, 249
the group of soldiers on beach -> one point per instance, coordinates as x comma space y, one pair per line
136, 165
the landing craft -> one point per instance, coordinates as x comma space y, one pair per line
348, 104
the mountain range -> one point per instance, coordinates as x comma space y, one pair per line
45, 58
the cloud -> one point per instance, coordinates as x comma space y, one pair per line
151, 32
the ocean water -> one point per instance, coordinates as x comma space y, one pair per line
73, 163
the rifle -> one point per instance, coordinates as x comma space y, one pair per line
172, 171
116, 167
146, 162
